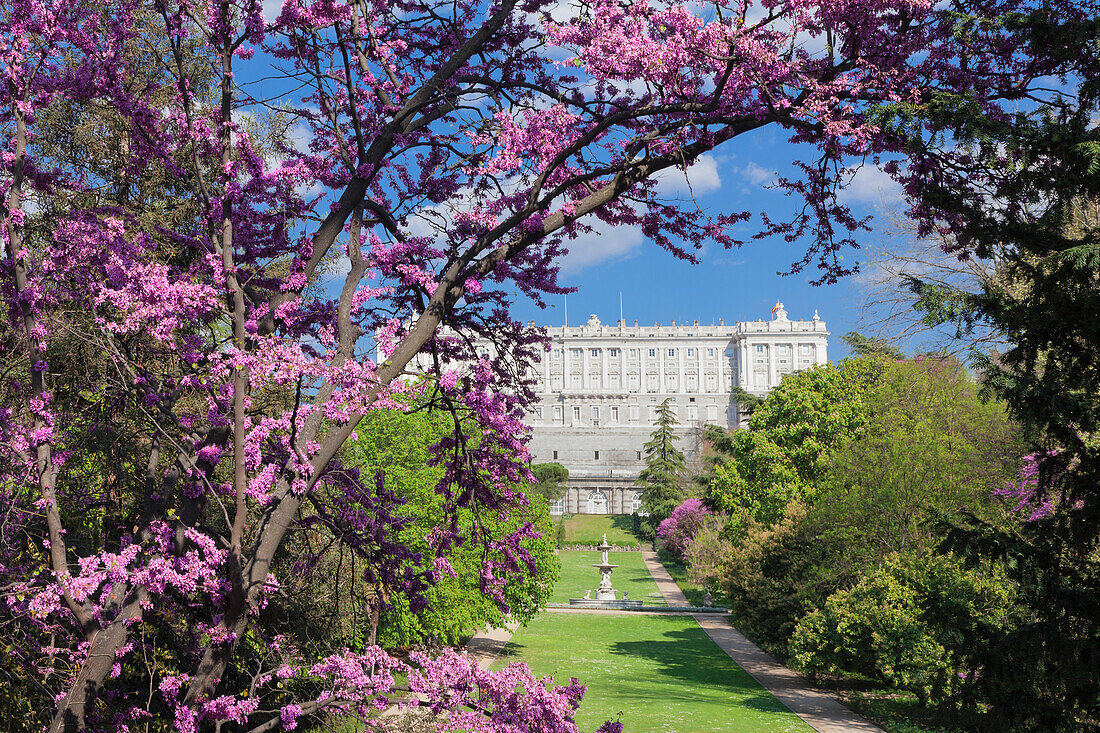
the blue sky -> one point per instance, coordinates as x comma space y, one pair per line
740, 284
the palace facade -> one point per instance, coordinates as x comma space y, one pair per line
599, 387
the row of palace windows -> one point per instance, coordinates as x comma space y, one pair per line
596, 455
597, 503
711, 352
633, 353
615, 412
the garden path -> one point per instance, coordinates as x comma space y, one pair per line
821, 711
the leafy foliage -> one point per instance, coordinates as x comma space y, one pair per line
782, 456
905, 623
931, 450
550, 480
1041, 164
927, 448
866, 346
399, 445
664, 474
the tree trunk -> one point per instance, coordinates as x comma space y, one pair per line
103, 645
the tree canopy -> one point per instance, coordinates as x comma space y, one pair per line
784, 452
1042, 162
398, 444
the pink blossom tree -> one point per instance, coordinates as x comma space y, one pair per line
677, 532
437, 158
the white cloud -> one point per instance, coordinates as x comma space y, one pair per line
702, 177
605, 242
271, 9
757, 174
870, 184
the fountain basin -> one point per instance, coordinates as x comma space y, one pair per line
596, 603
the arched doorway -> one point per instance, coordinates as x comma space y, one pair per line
597, 502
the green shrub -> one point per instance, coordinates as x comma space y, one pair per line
773, 576
904, 624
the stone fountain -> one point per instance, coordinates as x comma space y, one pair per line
605, 593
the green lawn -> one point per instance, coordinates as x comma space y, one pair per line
578, 575
588, 529
662, 673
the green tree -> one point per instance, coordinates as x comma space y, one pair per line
746, 401
867, 346
1041, 169
783, 454
664, 474
931, 449
400, 444
550, 480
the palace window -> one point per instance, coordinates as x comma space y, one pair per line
614, 352
614, 414
557, 413
596, 455
633, 353
760, 348
710, 352
691, 352
637, 455
672, 352
595, 352
555, 455
538, 412
576, 352
595, 413
577, 413
653, 352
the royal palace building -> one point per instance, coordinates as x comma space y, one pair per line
600, 385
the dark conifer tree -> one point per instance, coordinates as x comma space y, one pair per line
664, 474
1032, 198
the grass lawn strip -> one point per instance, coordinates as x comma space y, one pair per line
578, 575
589, 529
662, 673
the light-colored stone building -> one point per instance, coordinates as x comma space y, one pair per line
599, 387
